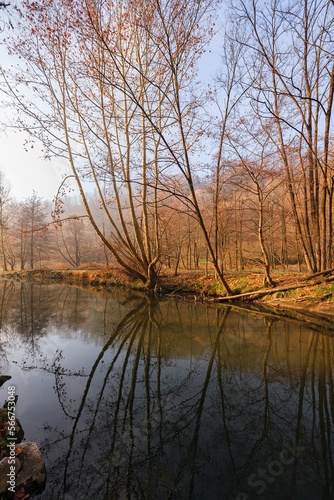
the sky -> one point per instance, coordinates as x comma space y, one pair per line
27, 171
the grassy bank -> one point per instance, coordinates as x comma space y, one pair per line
301, 292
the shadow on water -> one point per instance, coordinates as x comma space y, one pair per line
138, 398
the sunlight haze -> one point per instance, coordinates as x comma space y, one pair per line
27, 171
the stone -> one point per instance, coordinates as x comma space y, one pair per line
28, 471
32, 466
4, 471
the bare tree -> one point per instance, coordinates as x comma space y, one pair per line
289, 56
33, 238
5, 201
113, 93
227, 95
5, 20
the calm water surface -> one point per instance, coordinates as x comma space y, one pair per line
137, 398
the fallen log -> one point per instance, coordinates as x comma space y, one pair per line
320, 273
257, 294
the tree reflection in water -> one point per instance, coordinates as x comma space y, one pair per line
182, 400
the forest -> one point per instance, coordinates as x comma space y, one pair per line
198, 134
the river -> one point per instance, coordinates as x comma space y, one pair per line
135, 397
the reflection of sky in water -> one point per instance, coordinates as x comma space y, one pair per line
167, 398
38, 403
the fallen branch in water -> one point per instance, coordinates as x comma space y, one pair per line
312, 320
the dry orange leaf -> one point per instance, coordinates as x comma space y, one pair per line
21, 495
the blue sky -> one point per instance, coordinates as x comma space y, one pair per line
26, 170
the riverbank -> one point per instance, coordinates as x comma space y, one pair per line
292, 291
